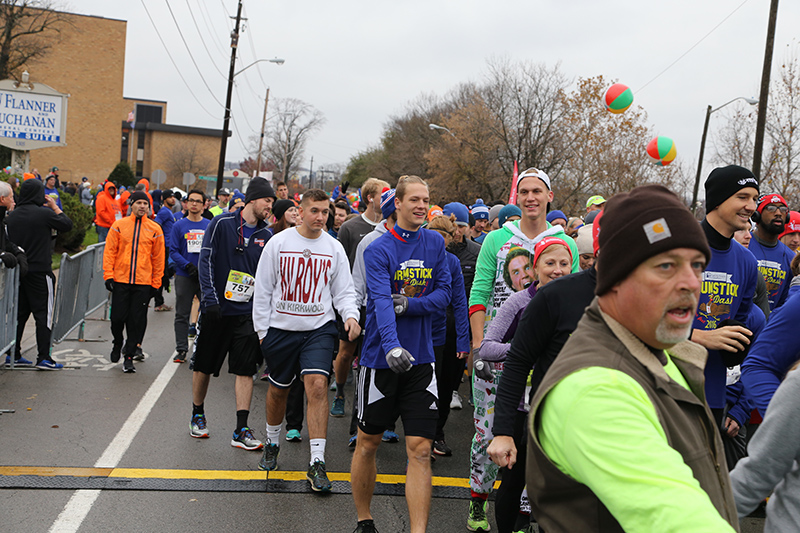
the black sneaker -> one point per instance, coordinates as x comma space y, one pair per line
116, 352
180, 357
440, 447
269, 459
366, 526
138, 354
318, 477
127, 365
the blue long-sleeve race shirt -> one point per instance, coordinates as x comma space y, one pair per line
166, 219
460, 309
411, 263
775, 350
221, 263
185, 243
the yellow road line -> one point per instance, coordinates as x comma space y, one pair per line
238, 475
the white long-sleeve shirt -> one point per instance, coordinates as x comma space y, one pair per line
359, 274
299, 281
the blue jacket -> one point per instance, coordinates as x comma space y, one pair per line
409, 263
774, 351
178, 250
166, 220
460, 309
219, 257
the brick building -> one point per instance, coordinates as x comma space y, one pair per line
87, 61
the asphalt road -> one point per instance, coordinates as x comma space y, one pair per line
93, 416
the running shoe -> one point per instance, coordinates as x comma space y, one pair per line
440, 447
163, 307
532, 528
332, 386
318, 477
49, 364
180, 357
245, 440
198, 427
116, 352
477, 520
337, 409
455, 403
127, 365
269, 460
18, 362
265, 374
293, 435
352, 442
366, 526
390, 436
192, 331
138, 354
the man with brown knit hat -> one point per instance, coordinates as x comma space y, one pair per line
620, 431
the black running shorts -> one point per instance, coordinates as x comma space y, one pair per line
232, 335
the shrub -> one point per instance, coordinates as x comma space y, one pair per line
81, 217
123, 175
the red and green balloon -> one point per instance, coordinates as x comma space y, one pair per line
618, 98
662, 151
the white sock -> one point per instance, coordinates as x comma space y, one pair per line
317, 450
274, 434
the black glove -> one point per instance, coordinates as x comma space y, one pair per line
9, 259
153, 292
192, 271
400, 303
399, 360
345, 185
212, 313
483, 369
109, 284
730, 359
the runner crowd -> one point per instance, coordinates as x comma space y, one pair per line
614, 374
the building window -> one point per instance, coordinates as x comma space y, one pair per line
148, 113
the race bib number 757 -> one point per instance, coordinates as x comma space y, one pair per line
239, 287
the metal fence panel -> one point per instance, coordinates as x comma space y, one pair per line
9, 290
80, 290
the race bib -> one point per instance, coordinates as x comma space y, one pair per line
239, 287
194, 241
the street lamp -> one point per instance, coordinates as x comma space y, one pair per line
437, 127
226, 122
709, 110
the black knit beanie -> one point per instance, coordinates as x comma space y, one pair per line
639, 224
138, 195
724, 182
280, 207
258, 188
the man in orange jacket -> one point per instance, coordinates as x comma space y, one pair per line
133, 263
107, 210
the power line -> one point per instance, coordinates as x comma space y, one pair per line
203, 41
255, 56
244, 113
204, 13
174, 64
692, 47
202, 77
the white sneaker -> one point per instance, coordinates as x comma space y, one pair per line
455, 403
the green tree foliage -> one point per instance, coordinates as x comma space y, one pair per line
123, 175
81, 217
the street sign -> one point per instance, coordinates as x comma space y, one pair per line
158, 177
188, 178
207, 178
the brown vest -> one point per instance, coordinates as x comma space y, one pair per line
560, 503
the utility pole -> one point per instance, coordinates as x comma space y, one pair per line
311, 174
226, 122
261, 140
762, 99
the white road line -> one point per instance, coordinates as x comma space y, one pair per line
82, 501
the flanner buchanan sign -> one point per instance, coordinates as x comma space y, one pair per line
31, 116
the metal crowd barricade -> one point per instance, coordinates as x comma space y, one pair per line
80, 291
9, 291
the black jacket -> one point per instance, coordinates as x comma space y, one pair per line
467, 252
30, 225
7, 246
546, 325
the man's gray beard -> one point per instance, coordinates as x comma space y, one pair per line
672, 336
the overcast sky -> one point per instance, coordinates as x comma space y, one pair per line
360, 62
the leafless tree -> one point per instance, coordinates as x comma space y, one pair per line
288, 134
186, 156
28, 27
